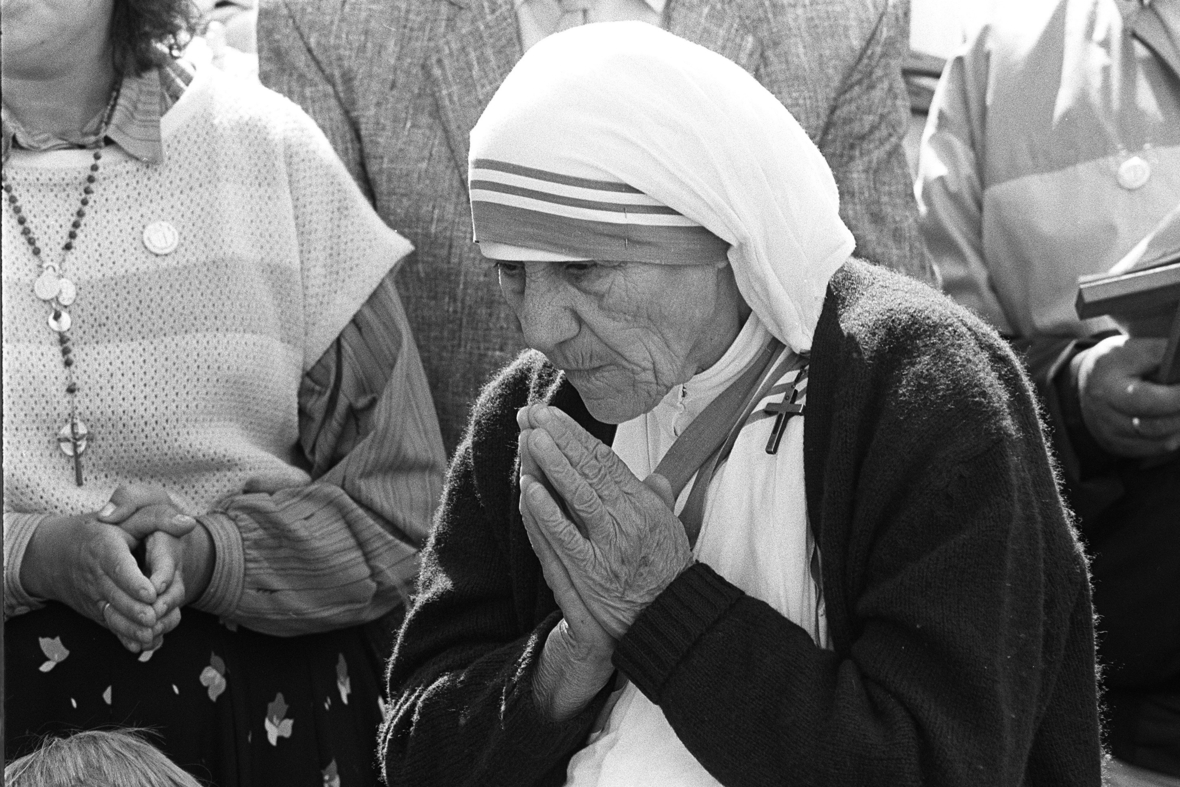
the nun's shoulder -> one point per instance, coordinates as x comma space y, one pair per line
888, 316
527, 378
889, 343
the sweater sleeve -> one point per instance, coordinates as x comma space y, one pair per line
862, 142
344, 549
18, 531
461, 676
955, 591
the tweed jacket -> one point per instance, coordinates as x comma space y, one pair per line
398, 86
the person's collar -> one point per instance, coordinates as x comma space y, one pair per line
135, 120
692, 397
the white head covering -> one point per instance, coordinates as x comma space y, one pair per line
684, 128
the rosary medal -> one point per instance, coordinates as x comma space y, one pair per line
47, 285
67, 292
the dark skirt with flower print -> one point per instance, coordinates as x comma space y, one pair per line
233, 707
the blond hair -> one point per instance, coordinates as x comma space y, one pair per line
97, 758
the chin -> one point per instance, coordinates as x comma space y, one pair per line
612, 396
615, 410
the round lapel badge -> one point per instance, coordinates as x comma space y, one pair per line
161, 238
1133, 173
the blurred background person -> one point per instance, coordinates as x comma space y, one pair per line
220, 453
397, 87
227, 37
1053, 149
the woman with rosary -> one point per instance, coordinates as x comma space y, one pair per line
220, 454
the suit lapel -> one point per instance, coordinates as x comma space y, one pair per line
717, 26
477, 53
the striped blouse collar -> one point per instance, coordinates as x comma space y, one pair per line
135, 120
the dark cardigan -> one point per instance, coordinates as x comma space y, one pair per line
957, 596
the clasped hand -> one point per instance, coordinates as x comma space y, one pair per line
87, 562
608, 543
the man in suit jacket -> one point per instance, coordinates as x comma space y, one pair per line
397, 87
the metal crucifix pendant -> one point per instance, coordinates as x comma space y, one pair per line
783, 411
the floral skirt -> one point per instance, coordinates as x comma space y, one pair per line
233, 707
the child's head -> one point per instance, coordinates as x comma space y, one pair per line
97, 758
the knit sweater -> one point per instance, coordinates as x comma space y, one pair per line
956, 591
195, 366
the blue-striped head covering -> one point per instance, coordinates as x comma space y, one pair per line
620, 141
580, 218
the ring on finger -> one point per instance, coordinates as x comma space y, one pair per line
103, 607
1137, 425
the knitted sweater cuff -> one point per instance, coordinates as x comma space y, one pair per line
667, 630
18, 531
224, 593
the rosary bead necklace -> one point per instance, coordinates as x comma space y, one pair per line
60, 293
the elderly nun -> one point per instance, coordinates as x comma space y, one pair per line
751, 511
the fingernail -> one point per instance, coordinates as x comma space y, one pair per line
184, 520
543, 415
107, 510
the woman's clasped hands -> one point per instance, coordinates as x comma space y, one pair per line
608, 543
88, 562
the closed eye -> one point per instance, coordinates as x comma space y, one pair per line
510, 269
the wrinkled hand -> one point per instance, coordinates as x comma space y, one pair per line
620, 544
1128, 414
89, 565
173, 547
585, 637
187, 562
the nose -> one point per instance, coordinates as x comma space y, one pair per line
545, 308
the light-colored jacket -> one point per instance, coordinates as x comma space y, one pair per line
1019, 174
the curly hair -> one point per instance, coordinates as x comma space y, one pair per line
145, 33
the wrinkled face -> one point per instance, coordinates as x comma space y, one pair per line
624, 333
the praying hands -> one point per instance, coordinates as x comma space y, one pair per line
601, 534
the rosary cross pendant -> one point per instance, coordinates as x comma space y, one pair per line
783, 411
73, 440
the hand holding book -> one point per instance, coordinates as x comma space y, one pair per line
1129, 385
1142, 293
